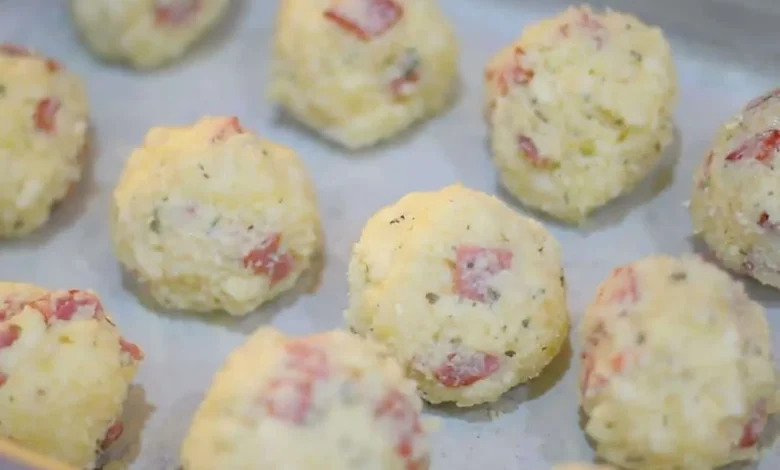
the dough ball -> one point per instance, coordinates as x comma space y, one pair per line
361, 71
676, 368
144, 33
573, 466
734, 205
64, 372
42, 136
468, 294
340, 396
212, 217
580, 110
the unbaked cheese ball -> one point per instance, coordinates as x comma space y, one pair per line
580, 110
361, 71
467, 294
64, 372
212, 217
677, 368
734, 205
332, 401
582, 467
43, 126
144, 33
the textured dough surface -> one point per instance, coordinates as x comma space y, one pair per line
361, 71
328, 401
64, 372
734, 206
676, 369
582, 467
580, 109
144, 33
212, 217
468, 294
42, 136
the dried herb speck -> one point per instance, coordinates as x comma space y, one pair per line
154, 224
526, 322
431, 298
678, 276
510, 353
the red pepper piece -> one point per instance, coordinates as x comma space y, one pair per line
462, 370
289, 399
756, 102
9, 335
45, 117
514, 74
763, 220
229, 128
66, 305
268, 261
366, 19
410, 74
761, 147
308, 358
112, 435
131, 348
397, 408
3, 379
588, 23
14, 50
475, 266
175, 12
531, 153
626, 290
754, 427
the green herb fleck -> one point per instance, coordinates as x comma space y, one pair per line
154, 224
431, 298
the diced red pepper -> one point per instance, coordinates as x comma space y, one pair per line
66, 305
268, 261
763, 220
175, 12
397, 408
15, 50
754, 427
131, 348
514, 74
3, 379
590, 381
366, 19
112, 435
626, 290
588, 23
761, 147
755, 103
706, 171
410, 74
289, 399
9, 335
531, 153
475, 266
462, 370
45, 117
308, 358
230, 127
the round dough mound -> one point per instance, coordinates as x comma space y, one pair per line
580, 110
144, 33
676, 368
734, 205
339, 395
42, 137
468, 294
361, 71
212, 217
573, 466
64, 372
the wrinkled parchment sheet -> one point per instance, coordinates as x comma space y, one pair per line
725, 51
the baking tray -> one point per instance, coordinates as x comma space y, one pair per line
726, 53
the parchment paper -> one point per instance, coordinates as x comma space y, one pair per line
726, 52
